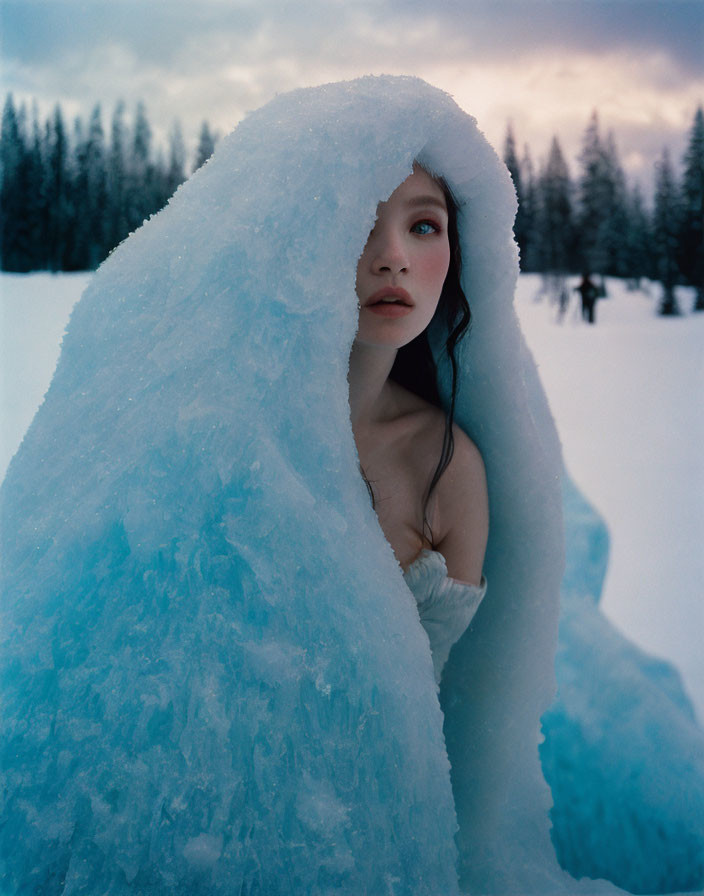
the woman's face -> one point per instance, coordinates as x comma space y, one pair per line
402, 269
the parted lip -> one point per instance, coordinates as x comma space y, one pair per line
390, 292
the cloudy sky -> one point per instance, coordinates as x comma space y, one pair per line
542, 64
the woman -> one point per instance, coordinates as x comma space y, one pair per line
213, 671
401, 274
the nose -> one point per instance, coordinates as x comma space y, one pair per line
388, 252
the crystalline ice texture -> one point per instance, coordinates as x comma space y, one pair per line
622, 753
204, 689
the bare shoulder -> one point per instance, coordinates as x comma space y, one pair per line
466, 469
424, 429
463, 511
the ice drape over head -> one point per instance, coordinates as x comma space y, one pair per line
213, 674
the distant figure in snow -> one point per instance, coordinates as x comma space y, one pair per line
589, 292
563, 301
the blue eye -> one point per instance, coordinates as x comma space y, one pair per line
424, 228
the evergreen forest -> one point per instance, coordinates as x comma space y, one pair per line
70, 195
599, 223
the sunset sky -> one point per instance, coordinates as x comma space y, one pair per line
542, 64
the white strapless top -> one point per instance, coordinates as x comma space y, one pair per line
445, 606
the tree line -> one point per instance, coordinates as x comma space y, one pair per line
68, 196
598, 223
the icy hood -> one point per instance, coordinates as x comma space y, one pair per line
226, 677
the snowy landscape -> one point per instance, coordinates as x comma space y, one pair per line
621, 746
626, 395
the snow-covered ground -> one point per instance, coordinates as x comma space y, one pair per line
627, 397
34, 311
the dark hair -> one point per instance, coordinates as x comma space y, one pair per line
415, 368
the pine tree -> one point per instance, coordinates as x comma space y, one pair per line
89, 243
143, 191
176, 171
665, 226
206, 146
594, 202
12, 190
615, 222
590, 199
117, 225
529, 258
691, 229
21, 177
58, 210
78, 251
554, 225
637, 248
521, 224
602, 201
142, 139
36, 203
97, 193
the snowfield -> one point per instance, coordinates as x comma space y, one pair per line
627, 397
